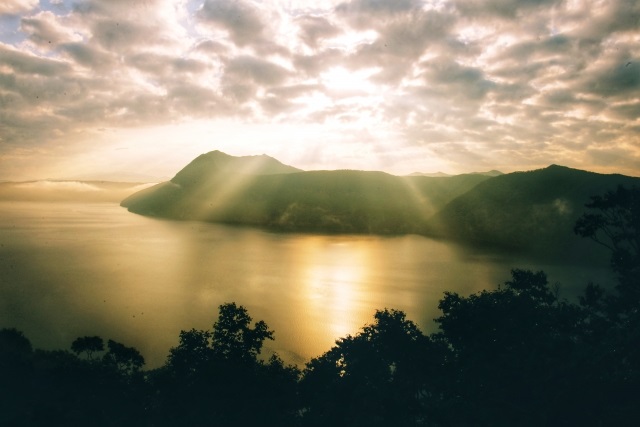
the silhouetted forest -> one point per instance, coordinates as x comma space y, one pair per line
516, 356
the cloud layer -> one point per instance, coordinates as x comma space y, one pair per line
462, 85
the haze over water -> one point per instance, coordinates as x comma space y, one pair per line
72, 269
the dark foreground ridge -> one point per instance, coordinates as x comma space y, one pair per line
527, 211
516, 356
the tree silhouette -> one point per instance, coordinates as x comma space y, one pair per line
615, 224
127, 360
87, 345
515, 354
378, 377
16, 373
234, 338
613, 318
216, 377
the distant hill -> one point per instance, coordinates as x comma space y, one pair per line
442, 174
216, 164
492, 172
259, 190
430, 174
533, 211
68, 191
525, 211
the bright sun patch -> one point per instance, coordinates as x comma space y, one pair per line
342, 80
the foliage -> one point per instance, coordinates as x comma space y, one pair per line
125, 359
614, 317
531, 211
234, 339
516, 354
87, 345
60, 388
220, 370
615, 224
381, 376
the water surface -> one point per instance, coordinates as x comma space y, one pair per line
70, 269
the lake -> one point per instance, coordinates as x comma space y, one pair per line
75, 269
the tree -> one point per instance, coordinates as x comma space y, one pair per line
233, 337
613, 318
16, 375
381, 376
216, 377
515, 355
192, 354
87, 345
615, 224
127, 360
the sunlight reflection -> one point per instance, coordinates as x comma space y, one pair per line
333, 276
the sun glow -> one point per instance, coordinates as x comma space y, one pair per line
346, 82
335, 274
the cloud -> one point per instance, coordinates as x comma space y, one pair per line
501, 8
14, 7
59, 185
21, 62
627, 112
162, 65
311, 65
44, 30
534, 81
359, 11
609, 17
88, 56
401, 42
314, 29
211, 47
115, 35
241, 19
618, 78
256, 70
448, 78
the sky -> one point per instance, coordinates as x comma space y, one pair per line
135, 89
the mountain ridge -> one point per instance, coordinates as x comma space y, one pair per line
259, 190
492, 172
528, 211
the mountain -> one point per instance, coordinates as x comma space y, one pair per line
442, 174
531, 211
215, 164
492, 172
527, 211
259, 190
68, 191
432, 175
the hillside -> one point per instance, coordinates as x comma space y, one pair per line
533, 211
68, 191
259, 190
492, 172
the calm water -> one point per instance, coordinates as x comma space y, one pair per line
68, 270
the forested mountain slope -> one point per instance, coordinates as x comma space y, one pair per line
261, 191
533, 210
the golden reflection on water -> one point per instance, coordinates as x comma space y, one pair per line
332, 276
